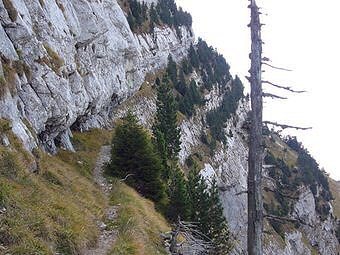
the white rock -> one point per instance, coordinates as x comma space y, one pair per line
104, 64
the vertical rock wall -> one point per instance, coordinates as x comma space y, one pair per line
79, 60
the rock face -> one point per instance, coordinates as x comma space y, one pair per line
229, 166
81, 60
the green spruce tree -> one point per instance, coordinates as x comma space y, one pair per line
133, 154
207, 211
219, 231
172, 70
193, 57
181, 85
179, 204
199, 199
166, 121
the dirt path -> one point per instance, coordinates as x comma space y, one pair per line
107, 234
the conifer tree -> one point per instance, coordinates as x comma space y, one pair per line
133, 154
179, 205
172, 70
153, 15
207, 211
219, 231
193, 57
186, 66
199, 199
161, 147
195, 95
181, 85
166, 120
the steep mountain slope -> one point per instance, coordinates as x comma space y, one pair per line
75, 65
60, 209
305, 223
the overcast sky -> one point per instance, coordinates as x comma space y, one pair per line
301, 35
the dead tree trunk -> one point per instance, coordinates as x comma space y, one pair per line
255, 203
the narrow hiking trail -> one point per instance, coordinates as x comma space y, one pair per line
107, 235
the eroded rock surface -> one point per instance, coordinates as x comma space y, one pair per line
79, 59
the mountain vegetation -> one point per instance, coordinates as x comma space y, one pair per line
293, 168
144, 18
214, 70
187, 198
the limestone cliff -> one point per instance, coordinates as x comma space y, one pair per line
69, 63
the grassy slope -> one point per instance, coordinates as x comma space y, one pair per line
139, 225
56, 209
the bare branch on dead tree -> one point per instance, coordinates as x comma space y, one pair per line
273, 96
278, 68
284, 126
281, 193
283, 87
241, 192
279, 218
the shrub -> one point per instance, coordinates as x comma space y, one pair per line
2, 86
311, 173
54, 61
9, 76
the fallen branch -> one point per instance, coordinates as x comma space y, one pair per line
283, 87
193, 239
284, 126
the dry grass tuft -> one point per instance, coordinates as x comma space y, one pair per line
61, 6
3, 86
9, 79
42, 3
53, 60
22, 68
12, 12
